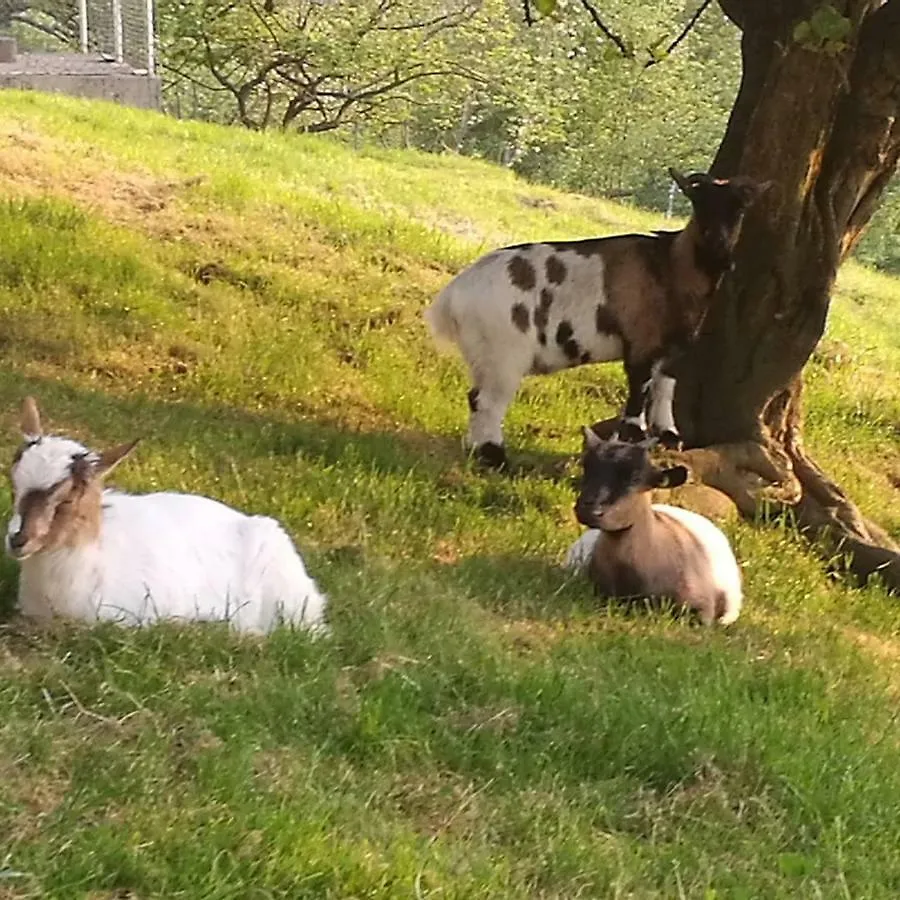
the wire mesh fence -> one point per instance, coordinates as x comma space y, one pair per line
116, 30
120, 30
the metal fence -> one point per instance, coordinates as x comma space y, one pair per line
121, 31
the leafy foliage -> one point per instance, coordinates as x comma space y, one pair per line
826, 30
880, 244
555, 100
41, 25
305, 64
560, 100
560, 104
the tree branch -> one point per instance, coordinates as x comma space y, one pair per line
266, 22
367, 95
442, 19
864, 151
684, 32
56, 30
615, 38
189, 77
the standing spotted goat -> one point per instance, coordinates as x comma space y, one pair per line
639, 549
89, 553
538, 308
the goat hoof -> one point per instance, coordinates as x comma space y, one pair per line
670, 440
492, 456
631, 433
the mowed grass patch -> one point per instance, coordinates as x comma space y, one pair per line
479, 725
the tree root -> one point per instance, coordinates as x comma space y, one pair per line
764, 480
757, 478
827, 516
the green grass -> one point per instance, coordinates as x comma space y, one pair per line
479, 725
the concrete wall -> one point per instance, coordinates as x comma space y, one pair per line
79, 74
131, 90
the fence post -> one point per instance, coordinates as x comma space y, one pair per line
151, 46
117, 30
83, 24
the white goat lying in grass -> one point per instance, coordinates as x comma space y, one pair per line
636, 548
89, 553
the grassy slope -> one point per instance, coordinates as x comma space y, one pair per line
479, 726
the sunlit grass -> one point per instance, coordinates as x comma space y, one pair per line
479, 726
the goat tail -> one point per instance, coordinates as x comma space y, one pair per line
276, 574
440, 319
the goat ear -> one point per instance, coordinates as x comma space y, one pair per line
109, 459
751, 190
591, 439
761, 187
30, 419
686, 187
670, 478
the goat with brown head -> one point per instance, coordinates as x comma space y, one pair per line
637, 549
89, 553
534, 309
57, 489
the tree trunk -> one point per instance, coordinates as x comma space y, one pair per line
825, 129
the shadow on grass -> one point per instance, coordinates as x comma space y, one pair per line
521, 587
217, 428
9, 580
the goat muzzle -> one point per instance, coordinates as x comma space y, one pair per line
16, 544
589, 516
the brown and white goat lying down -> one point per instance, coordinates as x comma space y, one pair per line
538, 308
635, 549
90, 553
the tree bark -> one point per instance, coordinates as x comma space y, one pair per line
825, 128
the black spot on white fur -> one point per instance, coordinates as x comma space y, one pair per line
556, 270
566, 341
520, 316
521, 273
